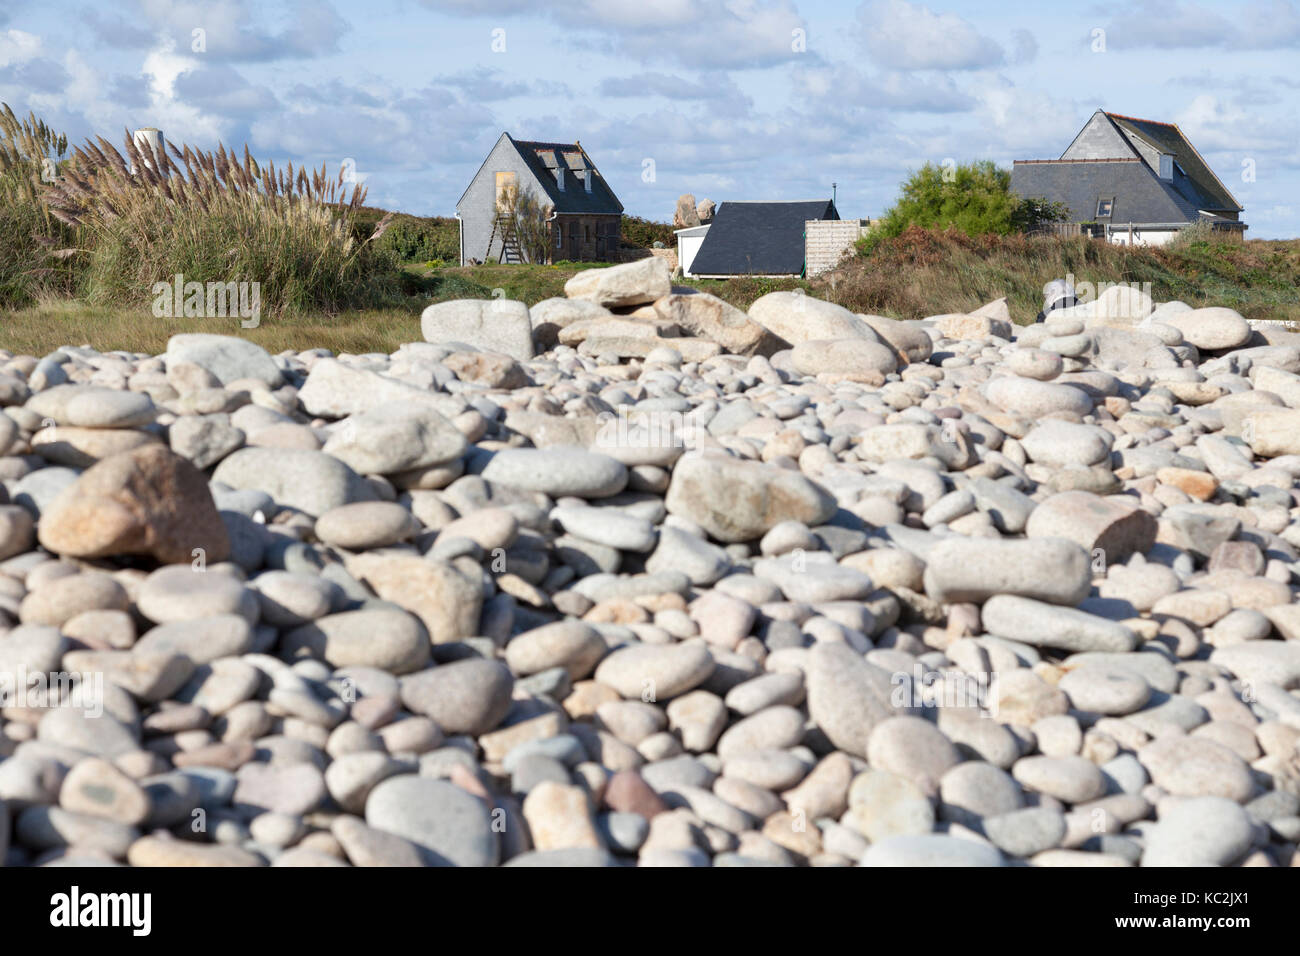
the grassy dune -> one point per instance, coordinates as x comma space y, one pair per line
924, 273
915, 275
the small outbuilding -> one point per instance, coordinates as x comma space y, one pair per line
757, 239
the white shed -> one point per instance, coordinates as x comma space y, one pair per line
688, 243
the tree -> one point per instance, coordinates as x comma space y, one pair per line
530, 220
973, 197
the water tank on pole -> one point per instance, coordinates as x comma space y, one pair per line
150, 142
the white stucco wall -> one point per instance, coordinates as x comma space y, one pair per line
687, 247
1141, 237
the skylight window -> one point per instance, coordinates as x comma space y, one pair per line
1104, 207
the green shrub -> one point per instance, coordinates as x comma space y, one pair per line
975, 198
643, 234
413, 238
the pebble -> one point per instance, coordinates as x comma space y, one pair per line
310, 481
1069, 779
1197, 767
656, 672
1024, 833
462, 697
930, 850
960, 570
365, 525
386, 639
449, 826
1199, 831
741, 501
558, 472
913, 748
1047, 625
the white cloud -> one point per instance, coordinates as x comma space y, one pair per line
1016, 122
180, 120
906, 92
1226, 127
713, 33
241, 31
907, 36
1260, 25
17, 47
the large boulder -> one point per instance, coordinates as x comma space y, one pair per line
735, 500
712, 318
335, 390
843, 357
550, 316
226, 357
991, 319
686, 214
147, 501
633, 283
499, 325
797, 317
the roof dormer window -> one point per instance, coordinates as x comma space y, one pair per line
587, 177
559, 177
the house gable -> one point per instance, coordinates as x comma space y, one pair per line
503, 157
1099, 139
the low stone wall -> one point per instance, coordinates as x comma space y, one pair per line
632, 254
827, 240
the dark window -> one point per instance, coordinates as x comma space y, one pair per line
1104, 207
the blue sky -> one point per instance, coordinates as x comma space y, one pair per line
729, 99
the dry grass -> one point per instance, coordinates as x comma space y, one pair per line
909, 277
145, 215
34, 258
925, 272
44, 327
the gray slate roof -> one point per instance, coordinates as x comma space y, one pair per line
1197, 182
758, 238
1139, 195
544, 158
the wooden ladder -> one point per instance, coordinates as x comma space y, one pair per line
510, 251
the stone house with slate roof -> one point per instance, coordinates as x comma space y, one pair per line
585, 216
1140, 181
